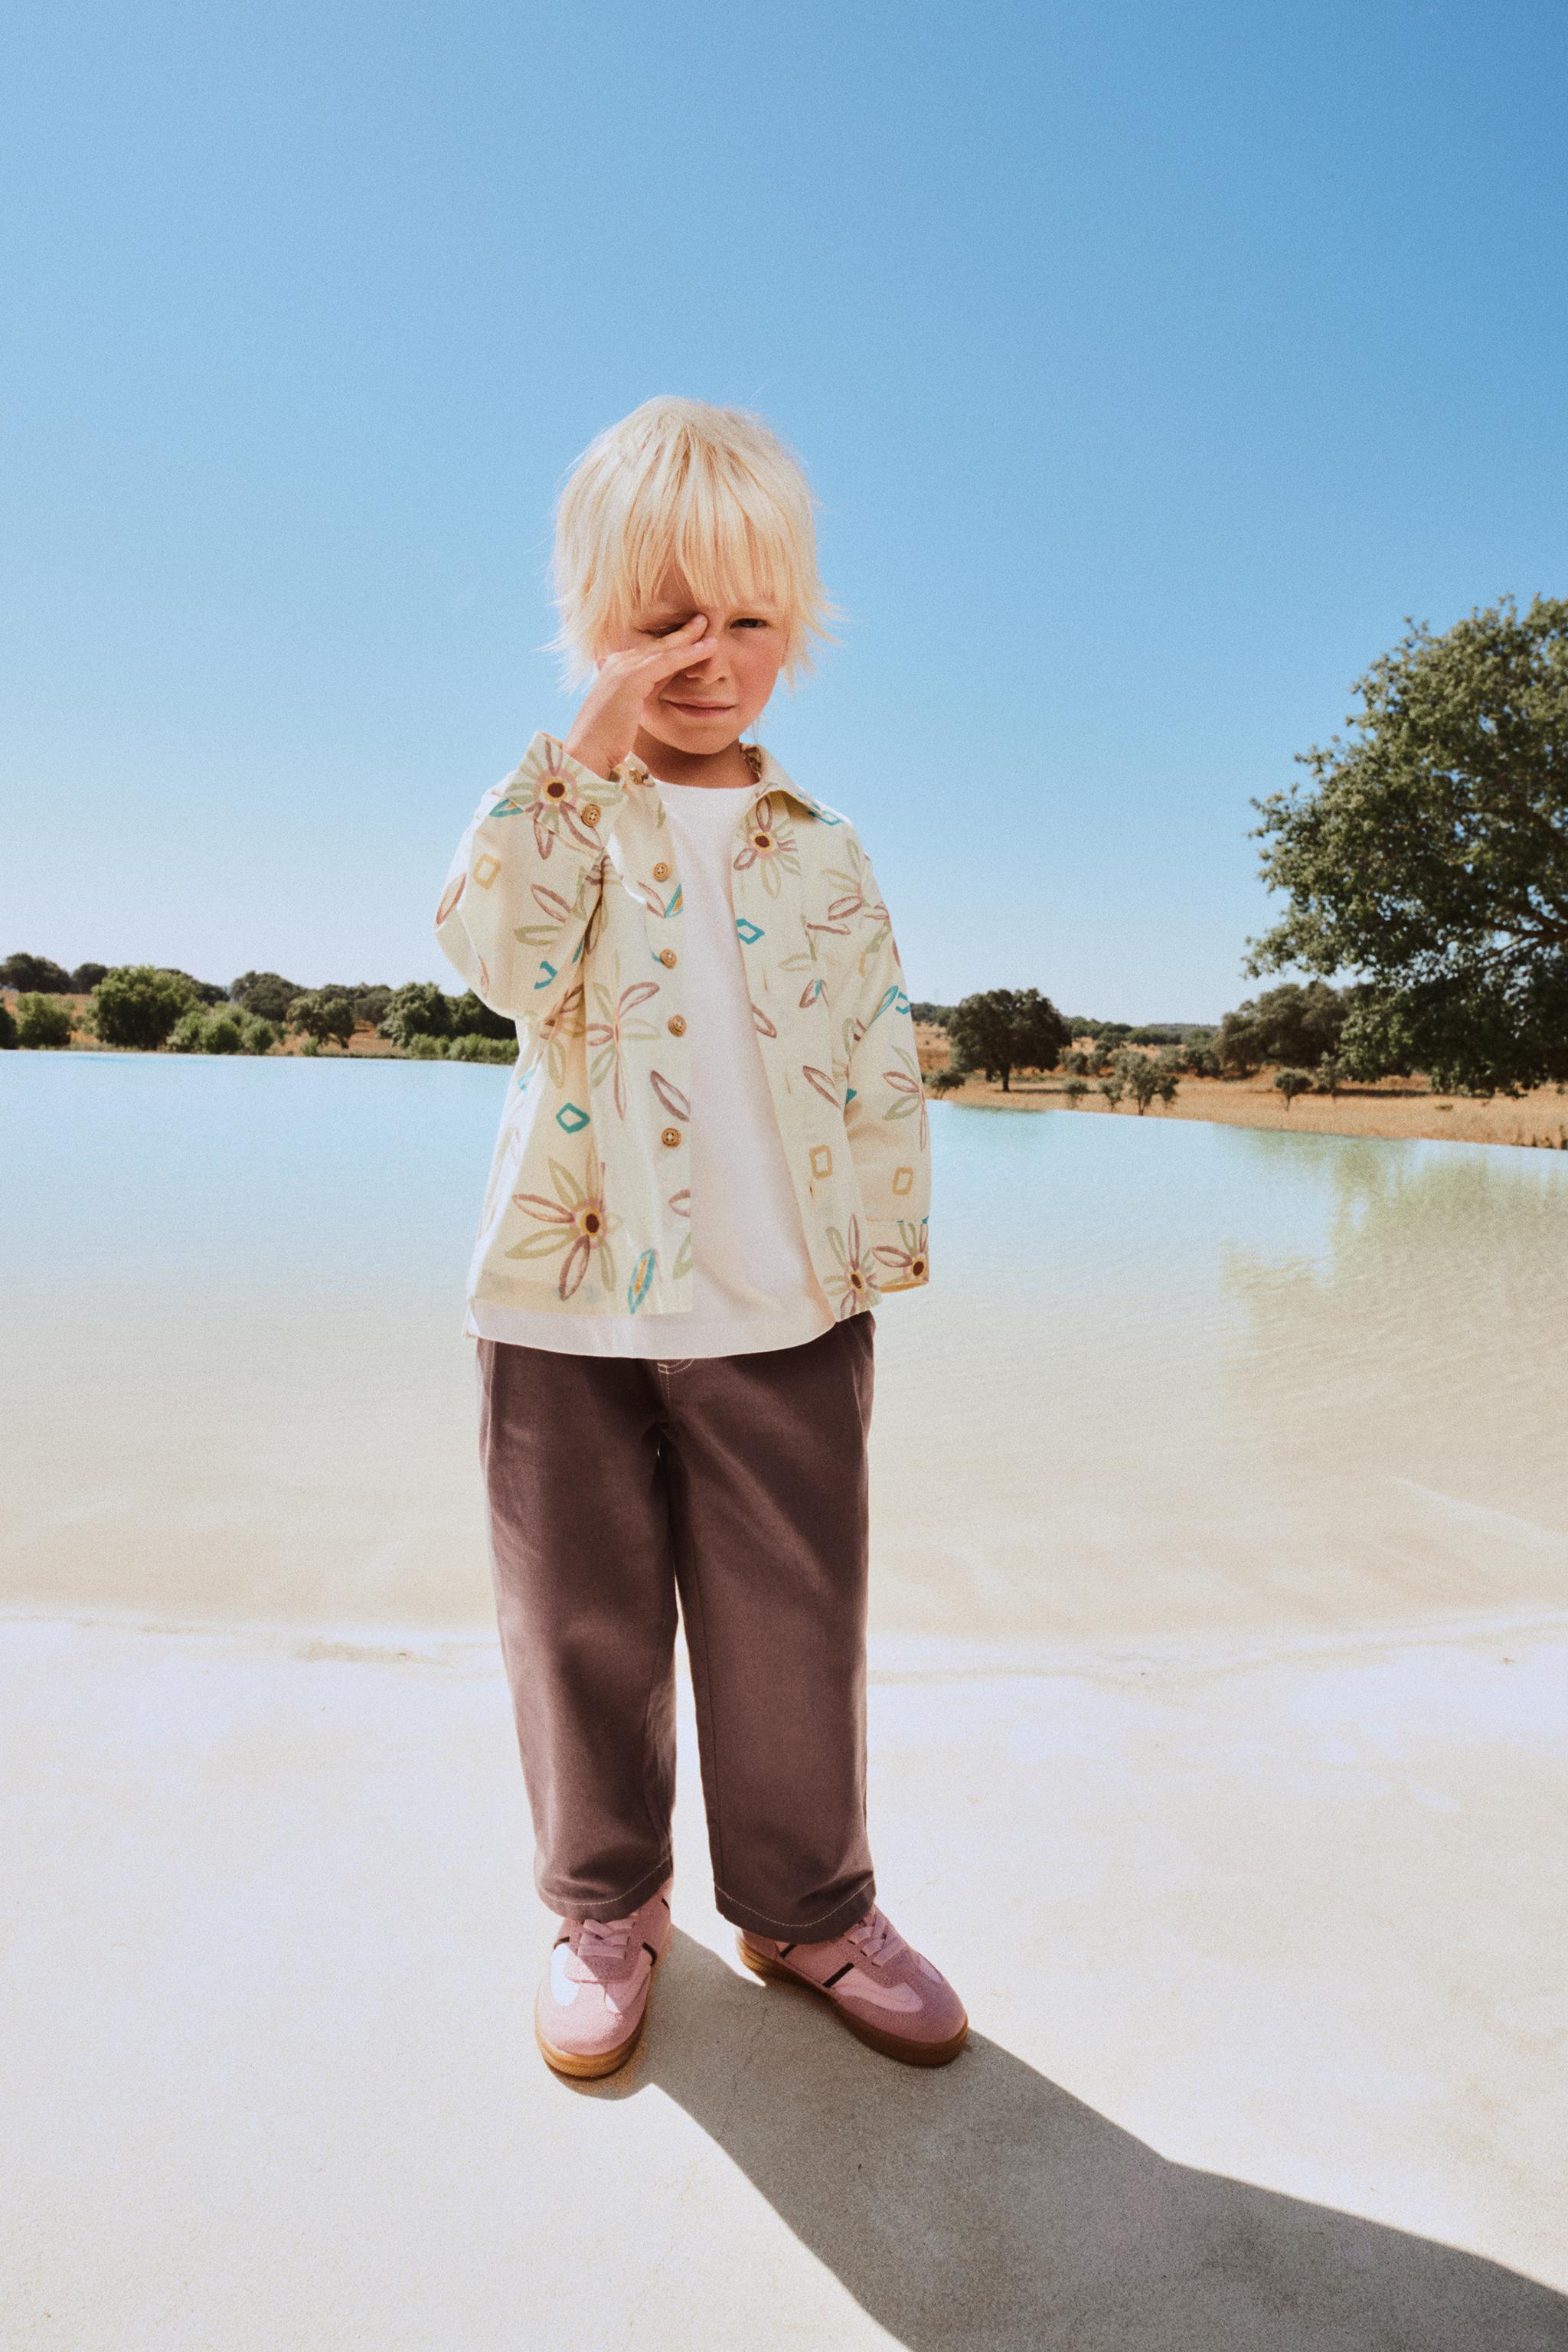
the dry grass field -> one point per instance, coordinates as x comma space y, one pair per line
1398, 1107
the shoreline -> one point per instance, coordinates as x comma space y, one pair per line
1396, 1111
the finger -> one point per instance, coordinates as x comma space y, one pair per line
688, 643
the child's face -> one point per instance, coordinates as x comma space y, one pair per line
706, 707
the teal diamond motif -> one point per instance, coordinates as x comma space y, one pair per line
573, 1119
751, 932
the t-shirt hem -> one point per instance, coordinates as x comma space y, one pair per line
625, 1336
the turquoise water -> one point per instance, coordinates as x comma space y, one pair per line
1168, 1376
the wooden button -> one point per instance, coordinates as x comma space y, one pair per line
675, 1025
591, 812
671, 1137
666, 955
662, 872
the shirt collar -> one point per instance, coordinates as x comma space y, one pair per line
771, 778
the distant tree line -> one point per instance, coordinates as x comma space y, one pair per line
152, 1007
1298, 1028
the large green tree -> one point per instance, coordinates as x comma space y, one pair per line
266, 994
1428, 856
1289, 1023
138, 1006
1006, 1029
418, 1009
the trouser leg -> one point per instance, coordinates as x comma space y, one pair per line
584, 1587
768, 1502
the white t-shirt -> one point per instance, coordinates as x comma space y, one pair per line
754, 1285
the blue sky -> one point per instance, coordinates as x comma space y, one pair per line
1151, 361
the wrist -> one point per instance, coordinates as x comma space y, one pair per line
592, 753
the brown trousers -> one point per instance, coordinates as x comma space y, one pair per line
738, 1484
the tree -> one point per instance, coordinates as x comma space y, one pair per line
207, 1029
201, 991
472, 1017
266, 994
418, 1009
7, 1030
371, 1003
1075, 1089
86, 977
1293, 1083
1006, 1029
1238, 1048
1330, 1075
38, 974
944, 1082
1139, 1078
1289, 1023
1429, 855
323, 1017
42, 1020
137, 1005
1112, 1089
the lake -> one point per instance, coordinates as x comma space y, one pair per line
1170, 1381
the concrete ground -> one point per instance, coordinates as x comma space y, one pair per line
1262, 1944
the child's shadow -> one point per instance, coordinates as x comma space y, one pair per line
978, 2205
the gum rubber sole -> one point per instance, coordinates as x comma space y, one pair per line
890, 2045
594, 2067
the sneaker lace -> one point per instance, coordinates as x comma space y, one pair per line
602, 1945
876, 1936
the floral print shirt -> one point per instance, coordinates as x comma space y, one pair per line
562, 909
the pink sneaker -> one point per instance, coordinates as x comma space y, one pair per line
592, 2005
881, 1988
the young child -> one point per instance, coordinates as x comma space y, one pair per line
713, 1164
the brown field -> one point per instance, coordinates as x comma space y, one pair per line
1396, 1107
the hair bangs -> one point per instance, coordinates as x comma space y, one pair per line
708, 494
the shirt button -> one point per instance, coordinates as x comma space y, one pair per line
675, 1025
671, 1137
666, 955
662, 872
591, 812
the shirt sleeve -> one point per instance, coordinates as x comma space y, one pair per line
524, 884
885, 1110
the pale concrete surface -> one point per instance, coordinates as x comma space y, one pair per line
1263, 1950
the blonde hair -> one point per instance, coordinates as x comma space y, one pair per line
711, 493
